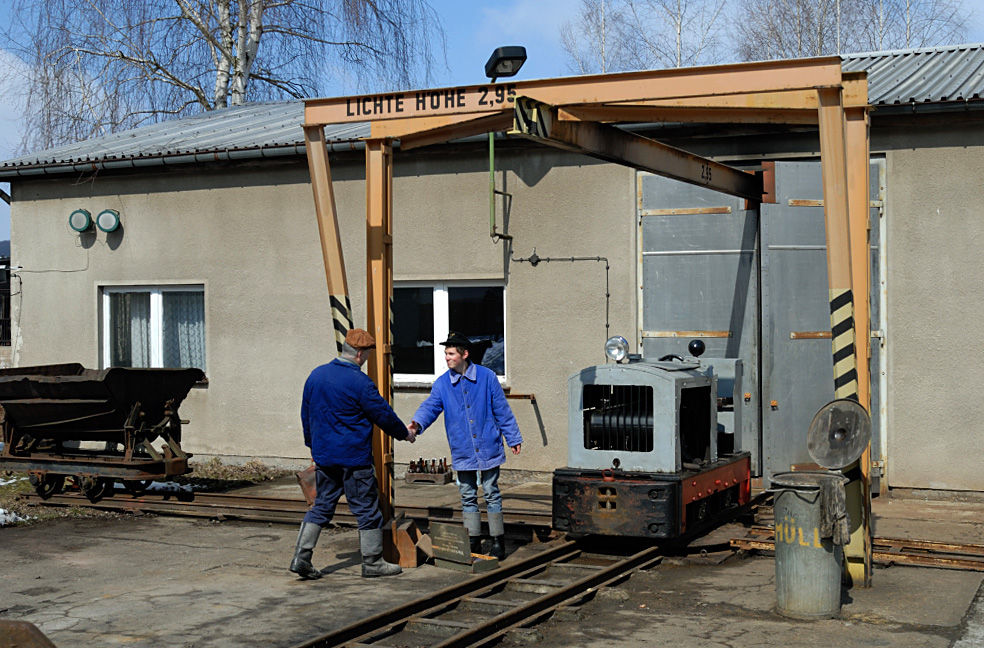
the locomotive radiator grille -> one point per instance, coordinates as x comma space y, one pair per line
618, 417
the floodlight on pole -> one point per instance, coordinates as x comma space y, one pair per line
504, 62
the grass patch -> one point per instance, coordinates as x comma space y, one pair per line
16, 484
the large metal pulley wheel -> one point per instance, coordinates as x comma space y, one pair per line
94, 488
47, 484
839, 433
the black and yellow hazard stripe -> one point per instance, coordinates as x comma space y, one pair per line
529, 116
843, 344
390, 354
341, 315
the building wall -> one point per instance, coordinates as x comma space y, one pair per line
249, 234
935, 340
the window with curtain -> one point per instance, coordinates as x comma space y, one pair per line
161, 326
424, 313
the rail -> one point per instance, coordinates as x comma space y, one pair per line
234, 506
563, 573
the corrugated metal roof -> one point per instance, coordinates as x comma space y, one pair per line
254, 130
929, 77
953, 73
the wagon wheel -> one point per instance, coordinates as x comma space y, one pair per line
137, 486
47, 484
94, 488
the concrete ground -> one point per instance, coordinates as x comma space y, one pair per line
151, 581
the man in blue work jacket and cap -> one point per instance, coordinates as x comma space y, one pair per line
476, 419
339, 408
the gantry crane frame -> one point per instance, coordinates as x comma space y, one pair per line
577, 113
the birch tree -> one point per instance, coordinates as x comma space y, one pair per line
595, 40
617, 35
675, 33
778, 29
98, 66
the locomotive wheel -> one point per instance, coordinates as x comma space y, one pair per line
137, 486
95, 488
47, 484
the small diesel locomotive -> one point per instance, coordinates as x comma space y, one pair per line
648, 454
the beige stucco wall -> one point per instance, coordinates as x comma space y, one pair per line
935, 340
248, 234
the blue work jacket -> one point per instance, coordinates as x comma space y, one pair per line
476, 417
339, 408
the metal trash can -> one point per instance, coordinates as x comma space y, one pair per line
808, 567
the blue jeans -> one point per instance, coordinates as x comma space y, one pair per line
468, 486
361, 493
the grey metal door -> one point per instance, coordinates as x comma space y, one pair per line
751, 286
699, 269
797, 378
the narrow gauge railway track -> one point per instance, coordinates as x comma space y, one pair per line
483, 608
233, 506
886, 551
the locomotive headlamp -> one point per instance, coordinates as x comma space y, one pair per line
617, 348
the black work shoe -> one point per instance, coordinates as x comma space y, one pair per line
304, 569
476, 544
498, 549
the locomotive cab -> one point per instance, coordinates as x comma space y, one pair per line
647, 456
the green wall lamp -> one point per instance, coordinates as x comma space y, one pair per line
108, 220
80, 220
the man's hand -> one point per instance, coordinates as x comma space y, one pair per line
411, 434
516, 448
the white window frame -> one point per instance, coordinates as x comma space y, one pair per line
156, 317
441, 324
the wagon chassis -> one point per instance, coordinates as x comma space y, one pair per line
48, 462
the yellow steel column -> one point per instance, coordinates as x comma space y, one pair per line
837, 189
331, 244
859, 188
379, 292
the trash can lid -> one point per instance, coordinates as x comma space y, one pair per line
839, 433
808, 480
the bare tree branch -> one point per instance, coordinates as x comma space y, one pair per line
105, 65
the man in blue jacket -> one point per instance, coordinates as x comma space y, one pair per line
476, 419
339, 408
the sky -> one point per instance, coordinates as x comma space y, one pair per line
474, 29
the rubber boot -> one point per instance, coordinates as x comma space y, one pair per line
498, 532
307, 538
373, 565
473, 524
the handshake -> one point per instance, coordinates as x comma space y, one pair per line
412, 431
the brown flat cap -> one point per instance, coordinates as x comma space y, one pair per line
359, 339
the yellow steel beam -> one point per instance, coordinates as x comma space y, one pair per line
395, 129
859, 551
721, 80
331, 244
379, 288
655, 113
539, 122
474, 126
